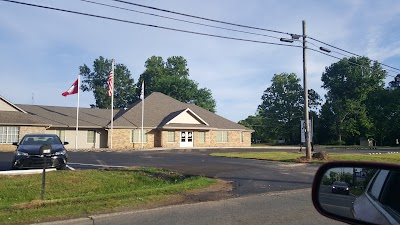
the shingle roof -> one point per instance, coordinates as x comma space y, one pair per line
160, 108
59, 116
20, 118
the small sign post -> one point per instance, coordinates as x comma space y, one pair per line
45, 151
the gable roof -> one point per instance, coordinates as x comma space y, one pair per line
13, 118
59, 116
6, 102
159, 109
195, 119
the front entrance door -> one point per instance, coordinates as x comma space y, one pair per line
186, 139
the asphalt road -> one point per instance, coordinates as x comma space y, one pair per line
286, 208
337, 204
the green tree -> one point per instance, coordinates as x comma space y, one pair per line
348, 85
395, 83
172, 78
282, 107
256, 123
96, 81
384, 110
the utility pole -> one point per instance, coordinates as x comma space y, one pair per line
306, 116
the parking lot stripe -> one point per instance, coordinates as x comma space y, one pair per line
71, 168
85, 164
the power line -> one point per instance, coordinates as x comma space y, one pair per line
245, 26
180, 20
342, 55
202, 18
350, 52
150, 25
356, 64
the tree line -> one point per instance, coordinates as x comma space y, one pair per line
357, 105
170, 77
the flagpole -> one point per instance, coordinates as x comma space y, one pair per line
112, 105
142, 97
77, 115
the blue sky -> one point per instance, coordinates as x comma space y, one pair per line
41, 50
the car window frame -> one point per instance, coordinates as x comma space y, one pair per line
386, 211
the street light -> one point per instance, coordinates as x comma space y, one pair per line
286, 40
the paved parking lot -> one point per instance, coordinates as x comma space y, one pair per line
248, 176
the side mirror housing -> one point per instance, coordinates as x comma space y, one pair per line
15, 143
66, 142
358, 192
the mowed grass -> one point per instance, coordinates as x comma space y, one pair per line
79, 193
293, 157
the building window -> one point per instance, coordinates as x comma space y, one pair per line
241, 136
61, 135
91, 137
202, 136
171, 136
136, 136
222, 136
8, 135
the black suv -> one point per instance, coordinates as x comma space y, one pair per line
27, 154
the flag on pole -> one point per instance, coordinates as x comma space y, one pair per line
72, 90
142, 91
110, 81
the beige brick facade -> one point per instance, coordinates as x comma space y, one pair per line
122, 139
234, 139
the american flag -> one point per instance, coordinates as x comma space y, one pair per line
110, 81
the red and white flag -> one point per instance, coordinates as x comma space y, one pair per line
72, 90
110, 81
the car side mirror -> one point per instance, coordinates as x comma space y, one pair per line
45, 150
66, 142
15, 143
358, 192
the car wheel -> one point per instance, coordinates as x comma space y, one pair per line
64, 167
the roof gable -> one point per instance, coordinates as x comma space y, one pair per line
6, 105
187, 116
161, 110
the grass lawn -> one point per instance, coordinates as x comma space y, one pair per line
292, 157
79, 193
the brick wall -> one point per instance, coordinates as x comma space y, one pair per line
122, 139
210, 139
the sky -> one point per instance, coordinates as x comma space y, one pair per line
41, 50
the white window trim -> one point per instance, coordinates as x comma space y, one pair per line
7, 134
